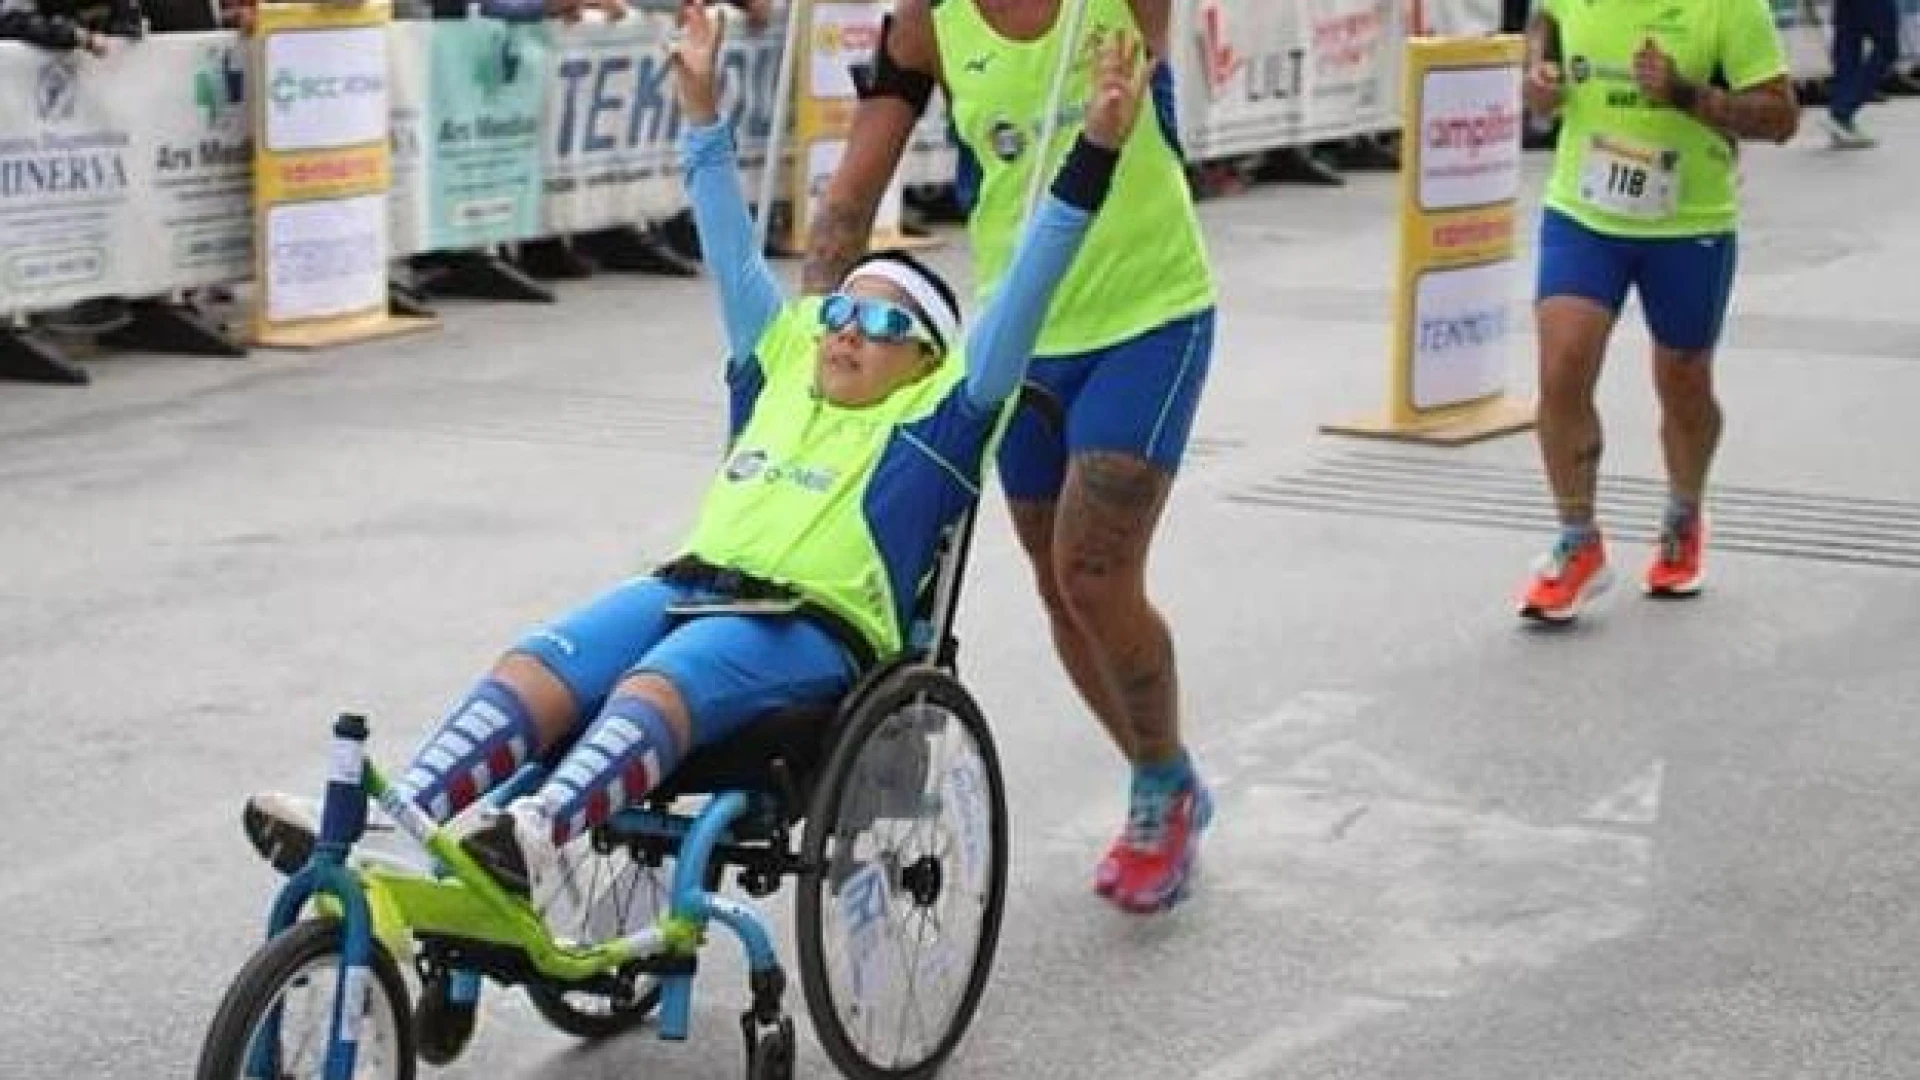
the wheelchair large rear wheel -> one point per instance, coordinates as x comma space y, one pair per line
899, 908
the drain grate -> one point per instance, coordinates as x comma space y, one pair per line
1750, 520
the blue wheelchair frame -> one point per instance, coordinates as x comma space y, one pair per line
693, 840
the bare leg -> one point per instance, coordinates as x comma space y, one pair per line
1034, 522
1690, 418
1573, 334
1107, 513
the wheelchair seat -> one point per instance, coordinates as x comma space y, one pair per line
794, 736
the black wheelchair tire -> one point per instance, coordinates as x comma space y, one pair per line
223, 1054
899, 688
552, 1004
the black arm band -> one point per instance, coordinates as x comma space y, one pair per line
1085, 177
884, 78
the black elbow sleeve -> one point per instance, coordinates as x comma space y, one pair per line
883, 78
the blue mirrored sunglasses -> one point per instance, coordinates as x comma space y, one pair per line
879, 321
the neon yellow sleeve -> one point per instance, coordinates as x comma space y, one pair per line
1750, 47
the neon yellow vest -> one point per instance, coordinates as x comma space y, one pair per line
1143, 263
787, 505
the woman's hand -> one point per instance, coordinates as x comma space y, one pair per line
695, 57
1114, 102
1543, 87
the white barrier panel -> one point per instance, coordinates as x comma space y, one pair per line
409, 51
1457, 18
125, 175
612, 121
1254, 75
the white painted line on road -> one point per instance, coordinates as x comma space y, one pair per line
1636, 803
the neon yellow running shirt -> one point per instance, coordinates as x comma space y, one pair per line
1143, 263
1627, 167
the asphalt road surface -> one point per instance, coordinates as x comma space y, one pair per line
1676, 843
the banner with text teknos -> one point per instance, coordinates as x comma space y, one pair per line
611, 136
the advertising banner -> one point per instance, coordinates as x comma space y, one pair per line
1258, 75
487, 101
127, 175
321, 173
1458, 292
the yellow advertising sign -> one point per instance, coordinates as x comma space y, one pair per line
837, 35
321, 172
1457, 306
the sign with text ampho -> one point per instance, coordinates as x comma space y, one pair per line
321, 174
1458, 307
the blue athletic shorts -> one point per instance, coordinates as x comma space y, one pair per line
1683, 282
1137, 398
730, 669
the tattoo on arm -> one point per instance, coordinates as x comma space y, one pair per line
838, 237
1768, 111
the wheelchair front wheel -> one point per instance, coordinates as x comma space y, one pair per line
287, 990
906, 856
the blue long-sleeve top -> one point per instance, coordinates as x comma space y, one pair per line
1000, 340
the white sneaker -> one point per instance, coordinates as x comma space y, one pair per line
283, 829
1847, 136
516, 846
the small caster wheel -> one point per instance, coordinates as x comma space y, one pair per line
442, 1027
771, 1055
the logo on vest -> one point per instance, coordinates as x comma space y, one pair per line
746, 465
1007, 140
750, 465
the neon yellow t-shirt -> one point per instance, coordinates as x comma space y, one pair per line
1625, 166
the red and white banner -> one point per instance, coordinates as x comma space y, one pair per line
1257, 74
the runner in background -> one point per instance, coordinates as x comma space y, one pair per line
1652, 99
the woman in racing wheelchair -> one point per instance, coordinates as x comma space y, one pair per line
860, 425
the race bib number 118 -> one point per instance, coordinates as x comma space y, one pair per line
1630, 180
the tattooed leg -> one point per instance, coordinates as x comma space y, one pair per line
1079, 654
1103, 528
1573, 344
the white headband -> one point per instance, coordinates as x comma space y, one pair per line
946, 321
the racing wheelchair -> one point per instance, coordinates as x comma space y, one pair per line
896, 792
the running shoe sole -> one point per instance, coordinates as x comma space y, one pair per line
1595, 588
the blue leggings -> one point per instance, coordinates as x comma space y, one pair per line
729, 669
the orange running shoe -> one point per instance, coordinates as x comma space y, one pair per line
1677, 571
1566, 578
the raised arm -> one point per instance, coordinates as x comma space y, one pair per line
1002, 340
749, 293
1155, 19
893, 96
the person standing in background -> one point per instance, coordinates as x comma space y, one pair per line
1856, 71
